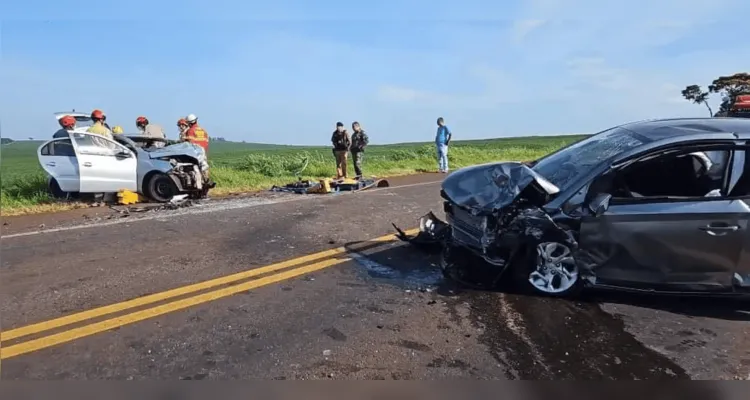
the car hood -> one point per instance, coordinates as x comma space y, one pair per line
179, 149
487, 188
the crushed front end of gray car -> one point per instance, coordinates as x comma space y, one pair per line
494, 215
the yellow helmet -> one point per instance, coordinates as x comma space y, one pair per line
117, 129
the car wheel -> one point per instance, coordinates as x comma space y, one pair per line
551, 270
56, 191
161, 188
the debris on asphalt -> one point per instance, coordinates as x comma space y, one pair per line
179, 198
177, 202
326, 353
432, 233
329, 186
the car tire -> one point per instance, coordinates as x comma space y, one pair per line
56, 191
160, 188
548, 269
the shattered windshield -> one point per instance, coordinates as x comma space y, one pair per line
572, 162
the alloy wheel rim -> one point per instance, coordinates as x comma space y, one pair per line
556, 270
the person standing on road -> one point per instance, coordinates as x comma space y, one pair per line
341, 144
195, 133
442, 139
359, 141
67, 124
99, 126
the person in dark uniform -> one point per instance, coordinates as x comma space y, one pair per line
359, 141
341, 143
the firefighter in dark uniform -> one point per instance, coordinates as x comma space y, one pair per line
359, 141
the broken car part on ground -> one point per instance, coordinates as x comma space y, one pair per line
651, 206
325, 186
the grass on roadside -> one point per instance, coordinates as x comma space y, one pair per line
23, 184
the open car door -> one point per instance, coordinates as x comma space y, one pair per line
105, 166
58, 159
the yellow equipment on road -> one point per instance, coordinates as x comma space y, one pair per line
127, 197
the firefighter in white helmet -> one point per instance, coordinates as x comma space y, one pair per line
195, 133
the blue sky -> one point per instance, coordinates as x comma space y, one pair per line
286, 71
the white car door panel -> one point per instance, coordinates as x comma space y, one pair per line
105, 166
58, 159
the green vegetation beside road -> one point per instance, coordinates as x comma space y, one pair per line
241, 167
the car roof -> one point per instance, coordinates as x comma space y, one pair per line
76, 114
659, 129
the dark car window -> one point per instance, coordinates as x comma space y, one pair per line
677, 175
59, 148
569, 164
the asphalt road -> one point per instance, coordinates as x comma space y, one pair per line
316, 288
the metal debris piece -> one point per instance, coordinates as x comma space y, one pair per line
432, 235
178, 198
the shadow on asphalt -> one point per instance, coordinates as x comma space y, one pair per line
731, 309
409, 267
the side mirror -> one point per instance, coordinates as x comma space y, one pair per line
123, 154
600, 203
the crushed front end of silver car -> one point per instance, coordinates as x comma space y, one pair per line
188, 167
494, 212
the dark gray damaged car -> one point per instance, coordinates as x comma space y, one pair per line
657, 206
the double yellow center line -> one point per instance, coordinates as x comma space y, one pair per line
302, 266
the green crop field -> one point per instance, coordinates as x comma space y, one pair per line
240, 167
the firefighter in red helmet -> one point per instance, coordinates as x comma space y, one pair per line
148, 129
99, 127
67, 124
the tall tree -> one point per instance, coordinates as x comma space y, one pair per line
729, 87
695, 94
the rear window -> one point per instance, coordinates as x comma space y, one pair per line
83, 121
59, 148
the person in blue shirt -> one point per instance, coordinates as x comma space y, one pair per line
442, 138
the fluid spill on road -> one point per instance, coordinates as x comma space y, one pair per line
544, 338
531, 337
398, 265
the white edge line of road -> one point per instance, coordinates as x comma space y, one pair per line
194, 211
